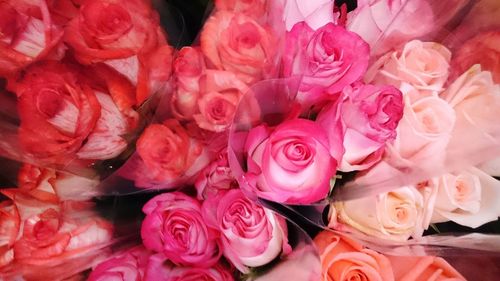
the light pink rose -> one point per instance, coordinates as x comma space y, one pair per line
423, 65
128, 266
370, 115
386, 24
174, 226
468, 198
220, 93
189, 66
327, 59
290, 163
425, 130
251, 235
237, 43
215, 177
316, 13
394, 215
427, 268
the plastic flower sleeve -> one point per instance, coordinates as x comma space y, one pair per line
75, 107
209, 79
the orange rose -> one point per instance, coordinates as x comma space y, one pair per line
426, 268
343, 259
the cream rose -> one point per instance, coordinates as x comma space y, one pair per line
468, 198
423, 65
395, 215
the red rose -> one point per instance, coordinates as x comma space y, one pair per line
9, 229
27, 34
126, 36
64, 117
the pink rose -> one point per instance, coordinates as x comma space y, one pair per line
169, 272
427, 268
423, 65
189, 66
124, 35
482, 49
370, 115
174, 226
65, 116
315, 13
394, 215
251, 235
238, 44
128, 266
215, 177
10, 224
167, 151
255, 9
27, 34
290, 163
221, 93
343, 259
467, 198
327, 59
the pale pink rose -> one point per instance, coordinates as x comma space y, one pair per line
467, 198
491, 167
237, 43
175, 227
189, 66
425, 129
50, 185
386, 24
290, 163
370, 115
424, 268
343, 259
256, 9
316, 13
394, 215
423, 65
215, 177
220, 93
128, 266
251, 235
327, 59
483, 49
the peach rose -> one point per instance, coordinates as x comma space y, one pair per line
252, 8
343, 259
423, 65
425, 268
394, 215
237, 43
468, 198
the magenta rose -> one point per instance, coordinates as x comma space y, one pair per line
174, 226
290, 163
160, 269
215, 177
370, 115
328, 59
129, 266
251, 235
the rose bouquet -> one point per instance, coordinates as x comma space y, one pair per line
364, 125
